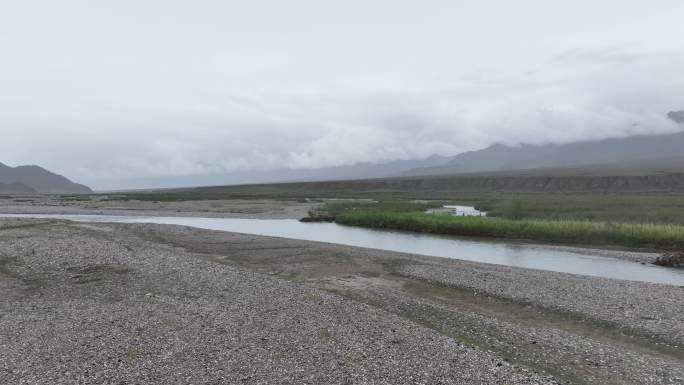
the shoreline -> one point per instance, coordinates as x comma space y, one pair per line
607, 251
272, 209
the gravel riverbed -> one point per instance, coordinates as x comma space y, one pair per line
91, 304
141, 303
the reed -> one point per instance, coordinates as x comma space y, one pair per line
633, 235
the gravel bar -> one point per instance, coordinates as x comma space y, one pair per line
91, 304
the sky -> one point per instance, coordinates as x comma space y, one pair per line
108, 92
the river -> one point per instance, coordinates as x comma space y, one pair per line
478, 250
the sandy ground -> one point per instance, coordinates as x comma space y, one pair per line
123, 303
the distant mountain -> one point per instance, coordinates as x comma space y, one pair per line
34, 179
355, 171
361, 170
500, 157
16, 188
634, 155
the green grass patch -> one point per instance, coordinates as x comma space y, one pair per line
664, 209
324, 333
633, 208
634, 235
6, 264
336, 208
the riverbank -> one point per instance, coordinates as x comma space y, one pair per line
106, 205
275, 209
516, 223
550, 220
134, 301
638, 236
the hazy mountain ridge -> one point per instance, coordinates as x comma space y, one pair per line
35, 179
16, 188
644, 154
633, 155
356, 171
500, 157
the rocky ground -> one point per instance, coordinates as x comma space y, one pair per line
106, 205
121, 304
675, 260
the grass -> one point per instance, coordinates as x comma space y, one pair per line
633, 235
663, 209
632, 220
634, 208
657, 209
6, 264
336, 208
324, 333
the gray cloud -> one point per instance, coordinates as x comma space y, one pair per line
130, 90
676, 116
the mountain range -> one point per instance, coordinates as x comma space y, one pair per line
633, 155
643, 154
34, 179
664, 149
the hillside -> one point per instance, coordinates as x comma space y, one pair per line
616, 155
652, 164
634, 149
355, 171
432, 187
15, 188
35, 179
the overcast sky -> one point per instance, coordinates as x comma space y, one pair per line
102, 91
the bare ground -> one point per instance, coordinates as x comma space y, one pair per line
114, 303
101, 205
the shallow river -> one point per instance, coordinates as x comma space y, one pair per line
497, 252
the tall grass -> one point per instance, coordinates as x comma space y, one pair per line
652, 236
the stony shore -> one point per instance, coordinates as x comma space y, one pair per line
116, 303
93, 304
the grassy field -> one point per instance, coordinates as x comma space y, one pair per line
633, 235
656, 209
632, 220
579, 221
663, 209
491, 195
642, 209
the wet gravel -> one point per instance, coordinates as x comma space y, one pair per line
90, 304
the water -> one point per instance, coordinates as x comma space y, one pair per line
497, 252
